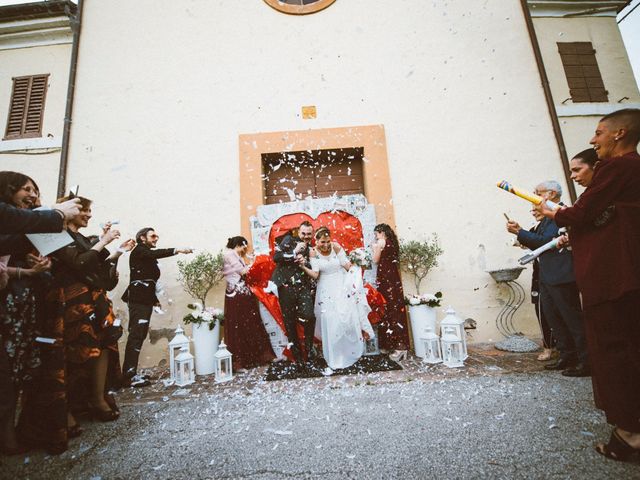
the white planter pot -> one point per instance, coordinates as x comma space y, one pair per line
423, 320
205, 343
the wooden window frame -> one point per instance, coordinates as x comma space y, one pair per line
28, 111
582, 72
318, 168
299, 9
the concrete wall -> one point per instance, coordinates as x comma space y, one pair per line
165, 88
42, 158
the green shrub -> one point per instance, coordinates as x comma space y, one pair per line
199, 275
418, 258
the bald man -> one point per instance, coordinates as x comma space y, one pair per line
605, 236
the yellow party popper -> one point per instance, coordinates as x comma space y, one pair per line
531, 197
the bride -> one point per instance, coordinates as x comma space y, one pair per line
341, 306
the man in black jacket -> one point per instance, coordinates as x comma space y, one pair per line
295, 288
141, 297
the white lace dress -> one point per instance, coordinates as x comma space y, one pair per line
341, 310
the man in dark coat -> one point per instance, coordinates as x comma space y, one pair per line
605, 237
295, 288
559, 296
16, 221
19, 220
141, 298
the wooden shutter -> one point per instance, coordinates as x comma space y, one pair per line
315, 173
27, 107
582, 72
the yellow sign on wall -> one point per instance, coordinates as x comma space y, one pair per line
309, 112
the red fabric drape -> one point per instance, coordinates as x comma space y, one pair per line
377, 303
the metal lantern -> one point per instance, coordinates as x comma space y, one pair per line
175, 345
224, 364
453, 341
185, 374
371, 346
432, 349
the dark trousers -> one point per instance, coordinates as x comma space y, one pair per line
561, 307
613, 335
139, 320
296, 302
7, 392
547, 337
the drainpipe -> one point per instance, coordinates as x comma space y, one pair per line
549, 99
76, 23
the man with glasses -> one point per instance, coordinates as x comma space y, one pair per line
559, 296
141, 298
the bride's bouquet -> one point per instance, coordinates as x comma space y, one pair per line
361, 257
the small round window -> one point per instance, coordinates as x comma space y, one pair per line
299, 7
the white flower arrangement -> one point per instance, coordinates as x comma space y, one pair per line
361, 257
200, 315
428, 299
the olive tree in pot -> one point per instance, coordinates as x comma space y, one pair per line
197, 277
417, 258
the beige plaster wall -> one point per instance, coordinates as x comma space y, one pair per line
54, 60
165, 90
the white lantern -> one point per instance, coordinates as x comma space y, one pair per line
371, 345
185, 374
432, 350
454, 343
224, 364
175, 345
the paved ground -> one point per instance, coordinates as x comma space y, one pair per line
499, 417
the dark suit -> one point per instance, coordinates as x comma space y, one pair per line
141, 298
19, 220
16, 221
559, 296
295, 292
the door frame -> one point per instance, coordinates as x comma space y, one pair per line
376, 178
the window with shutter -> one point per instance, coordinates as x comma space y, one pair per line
26, 108
289, 176
582, 72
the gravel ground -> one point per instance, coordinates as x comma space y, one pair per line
392, 425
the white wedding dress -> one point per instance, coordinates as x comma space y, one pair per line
341, 310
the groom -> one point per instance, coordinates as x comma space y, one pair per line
295, 288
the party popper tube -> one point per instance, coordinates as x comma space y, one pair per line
531, 197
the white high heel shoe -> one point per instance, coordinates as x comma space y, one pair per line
398, 355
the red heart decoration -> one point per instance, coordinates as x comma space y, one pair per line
345, 228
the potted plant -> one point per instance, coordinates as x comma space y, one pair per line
197, 277
417, 258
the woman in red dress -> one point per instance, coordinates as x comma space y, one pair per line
244, 332
393, 332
